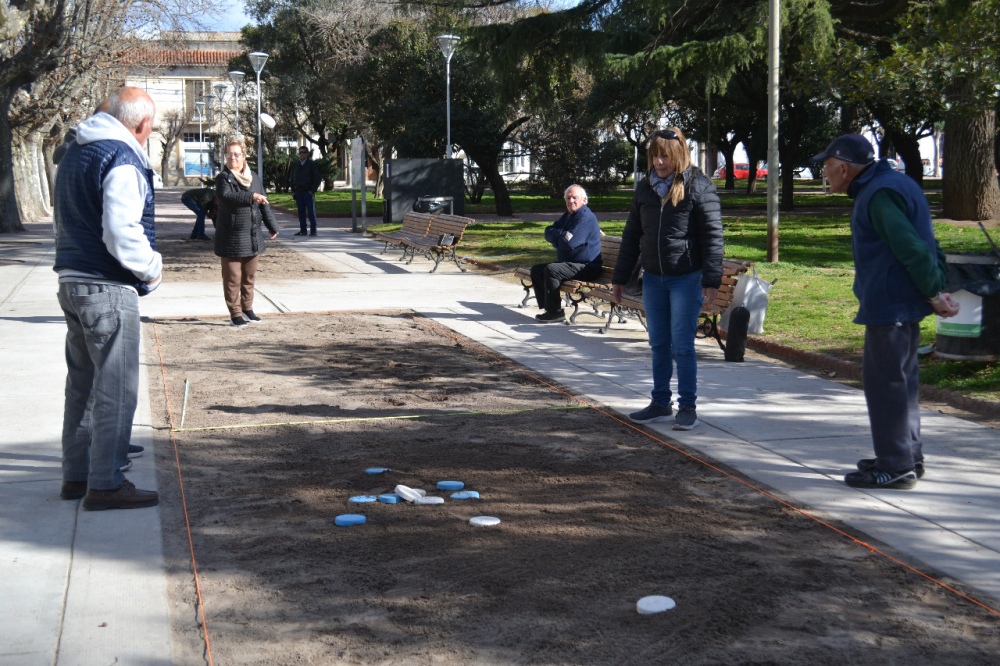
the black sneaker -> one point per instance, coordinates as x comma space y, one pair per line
125, 497
251, 316
875, 478
300, 233
868, 465
686, 419
556, 317
312, 233
654, 413
126, 467
239, 321
135, 451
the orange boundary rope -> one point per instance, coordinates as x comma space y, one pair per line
487, 352
180, 480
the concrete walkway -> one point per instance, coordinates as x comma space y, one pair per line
89, 587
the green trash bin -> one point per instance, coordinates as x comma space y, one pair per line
973, 335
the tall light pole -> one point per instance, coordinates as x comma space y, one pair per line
200, 105
208, 97
236, 77
447, 44
220, 90
257, 60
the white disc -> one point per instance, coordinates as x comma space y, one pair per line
654, 604
484, 521
267, 121
407, 493
429, 500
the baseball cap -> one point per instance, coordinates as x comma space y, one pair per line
848, 148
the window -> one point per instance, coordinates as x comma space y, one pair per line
193, 90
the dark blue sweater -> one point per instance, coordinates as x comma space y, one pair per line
585, 245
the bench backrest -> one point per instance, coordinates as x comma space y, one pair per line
610, 246
731, 270
416, 223
447, 224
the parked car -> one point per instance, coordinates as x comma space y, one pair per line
741, 170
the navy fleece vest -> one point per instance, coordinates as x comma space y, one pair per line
79, 209
885, 292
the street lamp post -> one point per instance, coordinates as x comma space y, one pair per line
257, 60
220, 90
208, 97
447, 44
200, 105
236, 77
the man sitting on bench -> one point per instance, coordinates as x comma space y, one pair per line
577, 239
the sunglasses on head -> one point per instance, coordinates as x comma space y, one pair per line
666, 134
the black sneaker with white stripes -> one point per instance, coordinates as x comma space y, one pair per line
869, 464
874, 478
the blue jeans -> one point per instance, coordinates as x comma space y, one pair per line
306, 203
673, 303
102, 381
891, 376
199, 223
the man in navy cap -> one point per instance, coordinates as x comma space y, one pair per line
899, 276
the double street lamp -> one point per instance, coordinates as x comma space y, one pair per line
257, 60
220, 92
447, 45
200, 105
208, 97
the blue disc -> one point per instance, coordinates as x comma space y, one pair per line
466, 494
377, 470
450, 485
389, 498
346, 519
363, 498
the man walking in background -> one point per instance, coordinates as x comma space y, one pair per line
304, 180
899, 274
105, 258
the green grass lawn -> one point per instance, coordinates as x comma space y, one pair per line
811, 306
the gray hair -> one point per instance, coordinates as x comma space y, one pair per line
131, 106
583, 192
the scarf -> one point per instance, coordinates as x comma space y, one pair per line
245, 177
661, 185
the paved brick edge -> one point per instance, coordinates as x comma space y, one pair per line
852, 370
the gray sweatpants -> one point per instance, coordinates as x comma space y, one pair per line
892, 389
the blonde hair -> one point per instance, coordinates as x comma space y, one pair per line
671, 143
235, 142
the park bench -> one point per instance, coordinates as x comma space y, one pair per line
414, 226
439, 242
631, 306
576, 292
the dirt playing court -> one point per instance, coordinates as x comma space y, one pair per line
283, 419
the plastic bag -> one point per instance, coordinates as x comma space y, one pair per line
751, 292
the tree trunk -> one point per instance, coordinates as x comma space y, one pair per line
10, 216
969, 185
501, 196
908, 148
30, 183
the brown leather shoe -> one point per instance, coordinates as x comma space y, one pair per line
126, 497
73, 490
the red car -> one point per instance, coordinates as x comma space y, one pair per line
742, 170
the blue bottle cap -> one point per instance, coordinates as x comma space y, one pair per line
363, 498
346, 519
377, 470
466, 494
450, 485
389, 498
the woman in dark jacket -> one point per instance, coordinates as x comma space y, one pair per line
674, 229
239, 239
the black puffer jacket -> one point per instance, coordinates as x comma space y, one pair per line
237, 228
674, 240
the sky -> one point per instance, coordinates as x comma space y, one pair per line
232, 18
